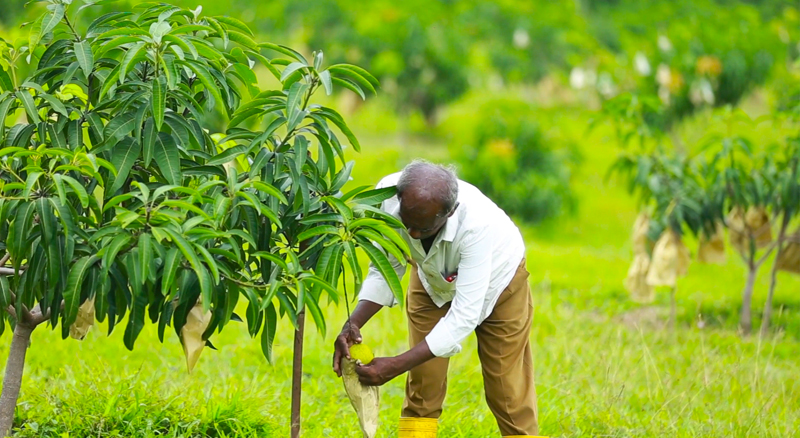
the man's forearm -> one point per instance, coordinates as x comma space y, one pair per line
363, 312
416, 356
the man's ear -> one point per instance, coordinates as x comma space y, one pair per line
455, 207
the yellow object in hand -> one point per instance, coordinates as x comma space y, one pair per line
361, 353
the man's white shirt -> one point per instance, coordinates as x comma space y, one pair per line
479, 249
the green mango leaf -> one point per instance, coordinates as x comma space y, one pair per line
383, 242
294, 112
72, 292
30, 107
83, 52
337, 120
326, 79
205, 78
124, 155
380, 261
134, 55
149, 141
32, 179
376, 196
357, 70
159, 100
5, 83
65, 215
145, 254
317, 231
76, 187
55, 104
189, 254
52, 19
350, 85
135, 320
168, 158
35, 33
353, 77
171, 264
120, 126
210, 262
291, 68
234, 23
227, 155
110, 251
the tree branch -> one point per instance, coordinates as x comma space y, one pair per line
5, 259
72, 29
10, 271
11, 310
766, 254
37, 317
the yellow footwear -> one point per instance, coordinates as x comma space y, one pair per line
417, 427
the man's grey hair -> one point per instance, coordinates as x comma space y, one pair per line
420, 171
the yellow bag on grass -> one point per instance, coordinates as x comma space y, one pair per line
365, 399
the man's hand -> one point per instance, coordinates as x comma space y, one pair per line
341, 347
378, 372
384, 369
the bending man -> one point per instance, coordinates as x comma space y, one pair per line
467, 274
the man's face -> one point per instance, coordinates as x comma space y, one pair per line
423, 219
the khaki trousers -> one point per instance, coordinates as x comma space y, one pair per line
504, 350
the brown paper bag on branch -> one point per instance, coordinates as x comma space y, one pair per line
756, 222
670, 260
365, 399
636, 281
192, 333
712, 249
640, 228
84, 320
789, 260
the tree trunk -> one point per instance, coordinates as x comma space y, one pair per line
773, 281
746, 318
13, 376
672, 308
297, 373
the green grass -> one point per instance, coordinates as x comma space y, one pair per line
604, 365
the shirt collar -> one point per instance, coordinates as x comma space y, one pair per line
450, 227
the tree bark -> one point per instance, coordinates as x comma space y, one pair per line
672, 308
297, 373
765, 319
746, 318
12, 380
773, 280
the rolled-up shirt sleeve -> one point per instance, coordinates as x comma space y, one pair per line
472, 284
375, 287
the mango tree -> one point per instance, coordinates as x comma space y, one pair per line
786, 205
725, 184
744, 182
669, 194
118, 199
672, 204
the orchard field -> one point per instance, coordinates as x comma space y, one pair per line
534, 110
